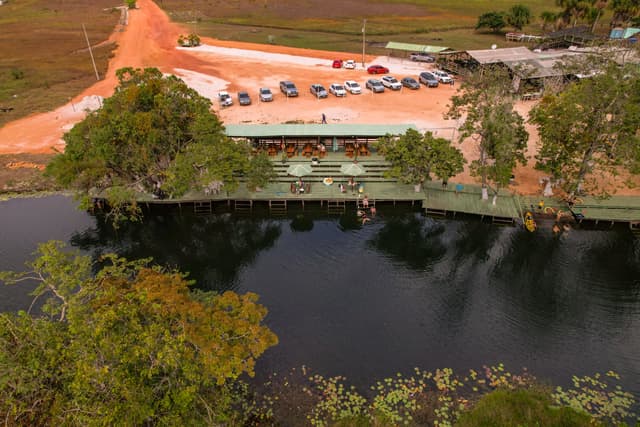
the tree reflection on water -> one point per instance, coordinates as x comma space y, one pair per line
411, 240
215, 248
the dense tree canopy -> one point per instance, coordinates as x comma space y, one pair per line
414, 157
591, 129
154, 135
131, 345
485, 103
492, 20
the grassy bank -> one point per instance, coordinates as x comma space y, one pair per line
23, 174
43, 53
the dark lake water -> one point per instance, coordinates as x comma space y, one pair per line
402, 291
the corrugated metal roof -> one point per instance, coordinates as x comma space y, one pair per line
493, 56
415, 47
535, 68
315, 130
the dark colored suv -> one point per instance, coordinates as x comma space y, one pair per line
244, 98
428, 79
288, 88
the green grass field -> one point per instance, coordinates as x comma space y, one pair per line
43, 54
337, 25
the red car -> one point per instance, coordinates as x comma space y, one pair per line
337, 63
377, 69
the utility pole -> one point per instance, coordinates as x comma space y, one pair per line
93, 61
364, 36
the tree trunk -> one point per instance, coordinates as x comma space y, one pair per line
485, 193
595, 21
483, 160
584, 168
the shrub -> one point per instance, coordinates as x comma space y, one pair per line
189, 40
17, 74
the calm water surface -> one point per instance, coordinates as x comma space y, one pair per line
400, 292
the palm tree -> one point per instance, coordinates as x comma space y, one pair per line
519, 16
596, 10
624, 11
548, 17
573, 10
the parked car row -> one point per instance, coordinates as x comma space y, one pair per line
289, 89
348, 64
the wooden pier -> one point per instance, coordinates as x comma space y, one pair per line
277, 197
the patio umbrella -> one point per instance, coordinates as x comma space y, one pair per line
299, 169
352, 169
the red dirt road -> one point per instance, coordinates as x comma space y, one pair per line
150, 41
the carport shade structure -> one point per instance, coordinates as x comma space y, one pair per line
352, 169
299, 170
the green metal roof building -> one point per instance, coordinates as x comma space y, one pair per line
410, 47
313, 130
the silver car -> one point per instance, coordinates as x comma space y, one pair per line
375, 85
318, 91
337, 89
421, 57
265, 94
428, 79
352, 87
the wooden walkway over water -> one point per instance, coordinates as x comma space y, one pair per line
432, 198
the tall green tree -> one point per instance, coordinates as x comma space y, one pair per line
414, 157
485, 103
260, 171
492, 20
130, 345
590, 130
518, 16
154, 135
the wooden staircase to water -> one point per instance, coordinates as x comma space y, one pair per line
203, 207
336, 207
243, 206
278, 207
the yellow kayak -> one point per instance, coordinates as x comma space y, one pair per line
529, 222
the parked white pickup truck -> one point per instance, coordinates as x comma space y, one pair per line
225, 99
